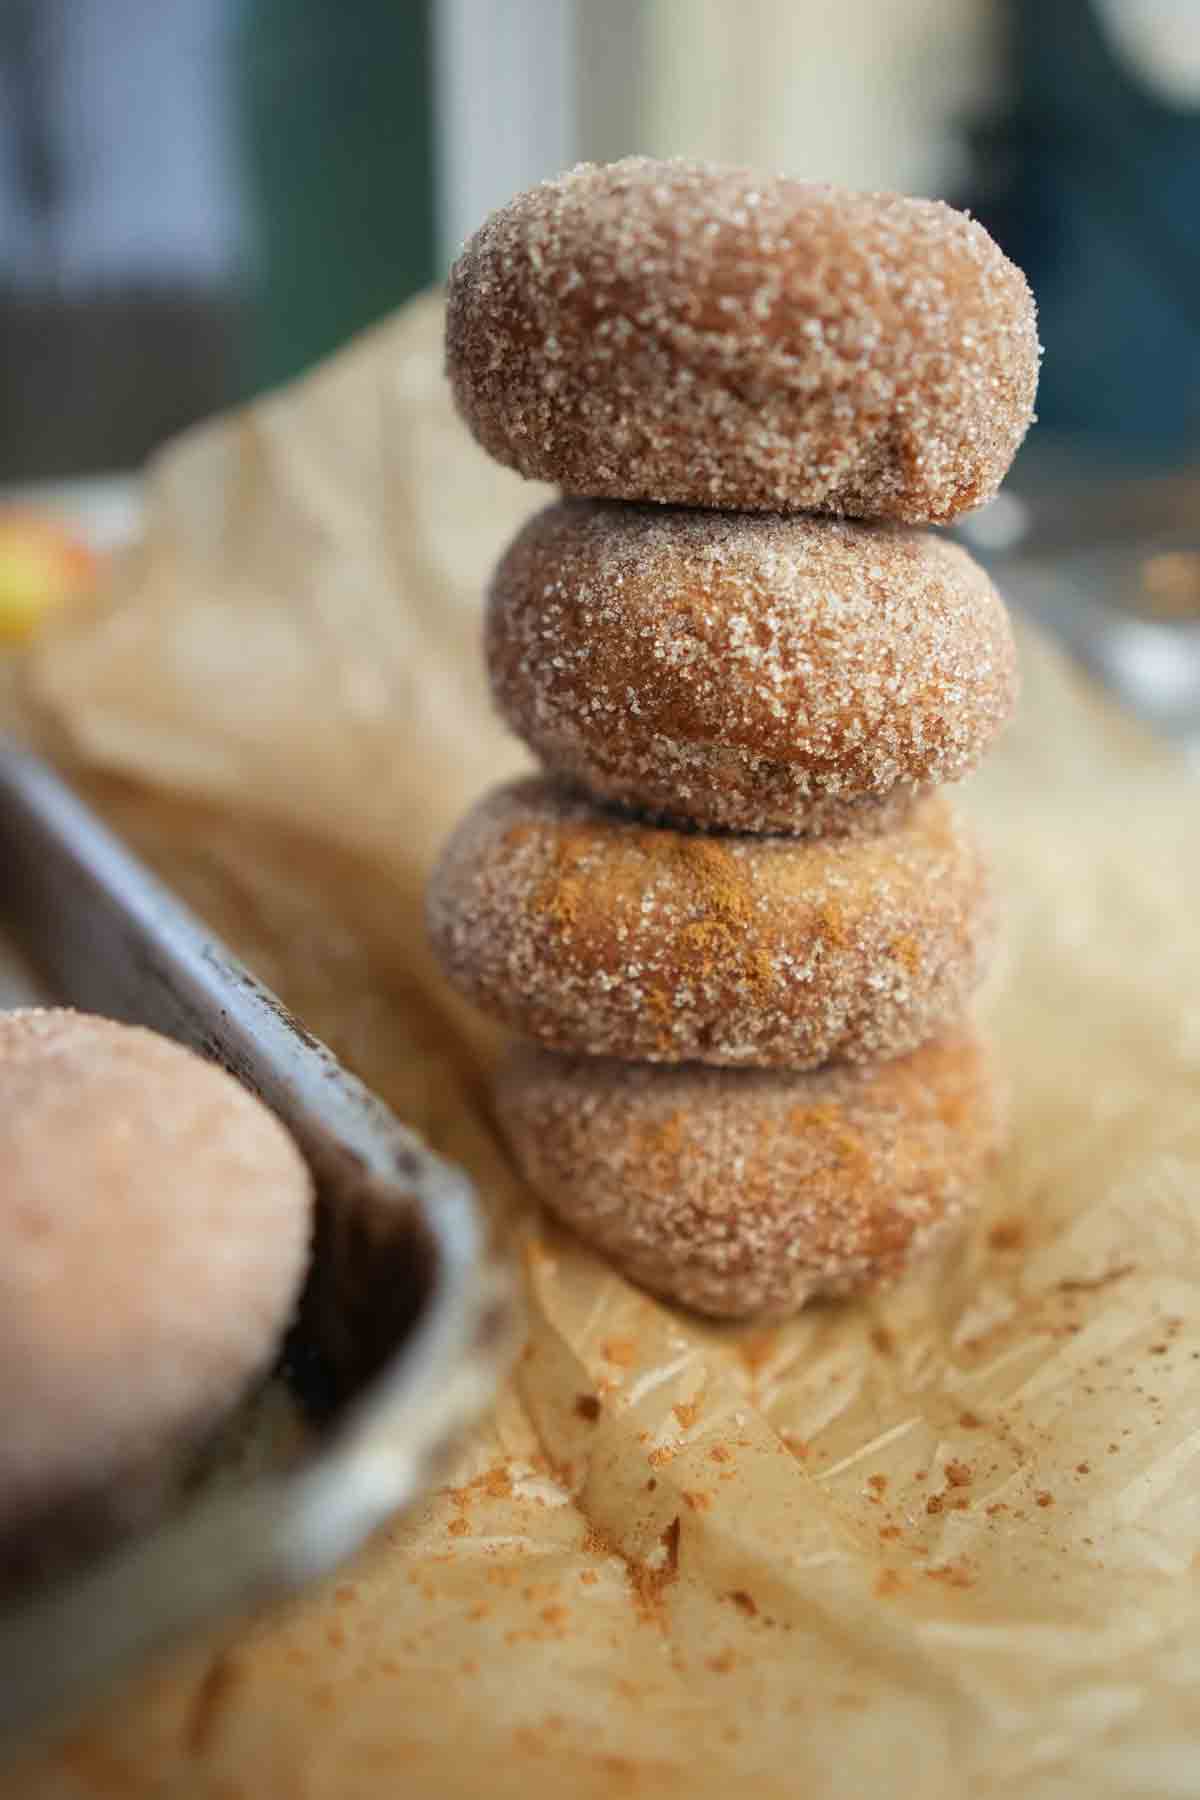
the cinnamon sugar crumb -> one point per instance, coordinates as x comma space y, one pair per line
955, 1575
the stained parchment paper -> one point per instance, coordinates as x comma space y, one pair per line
944, 1543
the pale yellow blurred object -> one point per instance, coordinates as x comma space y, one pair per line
42, 567
943, 1544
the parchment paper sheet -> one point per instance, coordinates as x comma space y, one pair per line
947, 1543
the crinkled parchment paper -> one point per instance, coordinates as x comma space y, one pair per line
945, 1543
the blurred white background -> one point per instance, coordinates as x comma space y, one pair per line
858, 92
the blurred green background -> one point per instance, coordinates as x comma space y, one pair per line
337, 110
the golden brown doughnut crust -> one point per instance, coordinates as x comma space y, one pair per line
685, 332
590, 932
154, 1233
742, 1192
748, 671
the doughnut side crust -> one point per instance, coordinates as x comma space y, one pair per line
691, 333
745, 1193
587, 931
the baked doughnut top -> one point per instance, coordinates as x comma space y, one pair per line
686, 332
749, 671
743, 1192
588, 931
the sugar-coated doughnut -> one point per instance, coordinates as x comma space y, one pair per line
685, 332
748, 671
588, 931
154, 1233
745, 1192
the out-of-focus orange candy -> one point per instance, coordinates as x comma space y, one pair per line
41, 566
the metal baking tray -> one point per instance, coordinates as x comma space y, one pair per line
407, 1321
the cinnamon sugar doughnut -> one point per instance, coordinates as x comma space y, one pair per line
681, 331
747, 671
591, 932
154, 1234
745, 1192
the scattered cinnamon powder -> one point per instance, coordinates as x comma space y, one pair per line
744, 1602
649, 1583
1008, 1234
588, 1407
757, 1348
955, 1575
596, 1543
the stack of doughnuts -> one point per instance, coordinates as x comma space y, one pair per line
734, 924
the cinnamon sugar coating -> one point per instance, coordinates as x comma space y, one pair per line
747, 671
686, 332
742, 1192
591, 932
